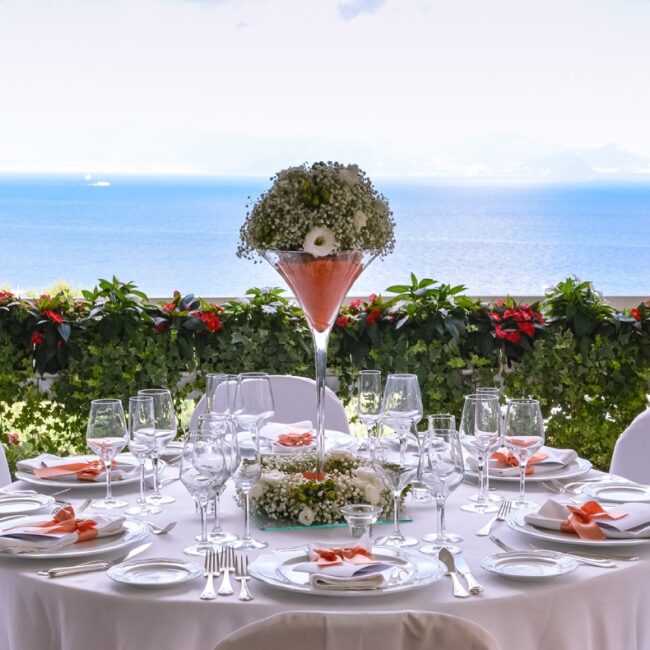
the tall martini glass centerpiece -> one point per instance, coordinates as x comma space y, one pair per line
319, 226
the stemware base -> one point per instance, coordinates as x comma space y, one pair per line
114, 504
396, 541
480, 507
448, 538
198, 549
143, 509
436, 547
247, 544
492, 497
222, 537
159, 500
524, 504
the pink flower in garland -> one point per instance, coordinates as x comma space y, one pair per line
342, 321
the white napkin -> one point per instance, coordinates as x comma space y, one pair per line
557, 458
271, 430
345, 576
121, 472
16, 538
636, 523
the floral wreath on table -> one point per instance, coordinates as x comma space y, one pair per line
321, 209
288, 492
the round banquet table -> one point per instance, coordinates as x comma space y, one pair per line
590, 609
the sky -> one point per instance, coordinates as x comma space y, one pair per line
499, 88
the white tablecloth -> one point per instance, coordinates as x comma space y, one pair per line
591, 609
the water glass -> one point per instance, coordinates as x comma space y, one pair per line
442, 473
106, 435
480, 434
164, 432
142, 442
523, 436
220, 389
496, 392
369, 405
402, 405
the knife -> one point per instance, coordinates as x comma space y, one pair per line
474, 587
448, 560
58, 572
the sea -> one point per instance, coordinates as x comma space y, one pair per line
169, 233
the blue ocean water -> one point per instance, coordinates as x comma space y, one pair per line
169, 233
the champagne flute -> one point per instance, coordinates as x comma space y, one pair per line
524, 435
369, 405
107, 435
217, 424
480, 435
203, 471
442, 473
164, 432
495, 498
396, 471
253, 406
142, 442
402, 406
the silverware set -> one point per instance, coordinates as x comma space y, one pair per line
221, 563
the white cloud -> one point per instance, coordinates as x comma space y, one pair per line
351, 9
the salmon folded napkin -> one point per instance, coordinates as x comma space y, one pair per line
289, 438
71, 468
546, 459
343, 567
55, 531
590, 521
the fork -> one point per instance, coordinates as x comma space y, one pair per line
210, 568
504, 509
242, 576
227, 562
157, 530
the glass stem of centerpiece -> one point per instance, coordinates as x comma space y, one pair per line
320, 284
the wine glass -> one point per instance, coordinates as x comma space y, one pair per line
369, 405
220, 391
165, 432
442, 473
495, 498
217, 424
480, 435
142, 442
204, 470
524, 435
402, 406
396, 471
107, 435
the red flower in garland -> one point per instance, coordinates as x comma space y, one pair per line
373, 317
342, 321
372, 298
6, 296
527, 328
355, 304
507, 335
636, 313
170, 306
37, 338
212, 321
53, 316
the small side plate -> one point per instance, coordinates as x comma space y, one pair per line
154, 572
23, 504
529, 565
619, 492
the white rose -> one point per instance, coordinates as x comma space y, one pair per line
372, 495
257, 490
350, 174
306, 516
368, 475
360, 218
320, 241
339, 454
381, 208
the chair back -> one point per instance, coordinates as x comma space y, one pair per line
361, 631
5, 475
632, 450
295, 400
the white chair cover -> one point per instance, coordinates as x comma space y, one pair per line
367, 631
295, 400
5, 476
631, 457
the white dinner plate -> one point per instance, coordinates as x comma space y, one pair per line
579, 467
134, 531
409, 571
618, 492
23, 504
154, 572
529, 565
515, 520
127, 459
